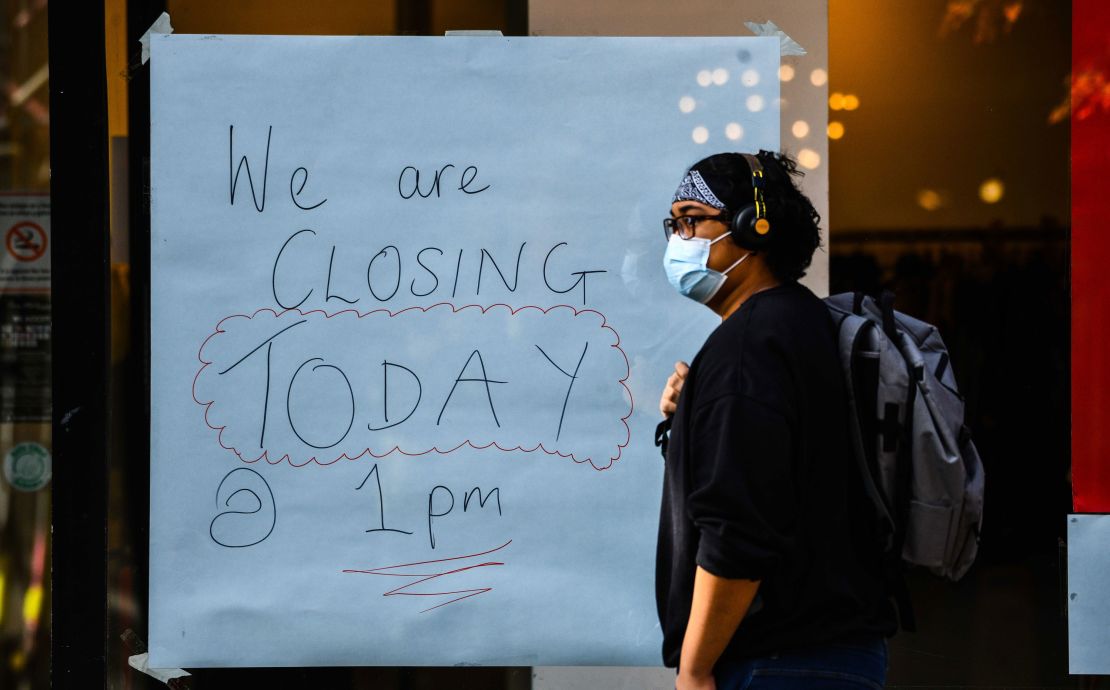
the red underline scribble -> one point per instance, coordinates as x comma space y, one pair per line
422, 577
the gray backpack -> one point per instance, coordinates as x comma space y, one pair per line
919, 465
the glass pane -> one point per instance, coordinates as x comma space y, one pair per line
25, 449
127, 518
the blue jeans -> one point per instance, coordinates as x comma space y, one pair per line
856, 665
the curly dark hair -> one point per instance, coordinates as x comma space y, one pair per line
796, 233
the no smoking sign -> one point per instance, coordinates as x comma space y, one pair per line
26, 241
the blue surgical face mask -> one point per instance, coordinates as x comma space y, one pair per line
686, 263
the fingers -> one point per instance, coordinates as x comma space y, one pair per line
675, 380
667, 407
669, 400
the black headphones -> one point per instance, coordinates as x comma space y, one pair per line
750, 227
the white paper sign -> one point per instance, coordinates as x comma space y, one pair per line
409, 328
1088, 594
25, 261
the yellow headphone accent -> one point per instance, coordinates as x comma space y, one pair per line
750, 225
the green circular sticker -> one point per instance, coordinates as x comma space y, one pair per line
27, 467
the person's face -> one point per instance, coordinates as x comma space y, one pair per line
722, 254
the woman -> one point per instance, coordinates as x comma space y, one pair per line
767, 573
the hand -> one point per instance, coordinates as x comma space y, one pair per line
669, 401
688, 681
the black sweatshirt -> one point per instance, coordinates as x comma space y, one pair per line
760, 484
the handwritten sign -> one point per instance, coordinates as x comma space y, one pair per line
409, 326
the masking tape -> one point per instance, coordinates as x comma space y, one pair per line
161, 25
139, 663
787, 45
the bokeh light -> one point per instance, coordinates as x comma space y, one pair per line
786, 72
800, 129
754, 103
836, 129
929, 199
734, 131
750, 77
809, 159
700, 135
991, 190
836, 101
720, 76
818, 77
705, 78
851, 101
687, 104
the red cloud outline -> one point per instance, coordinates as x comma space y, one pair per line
396, 449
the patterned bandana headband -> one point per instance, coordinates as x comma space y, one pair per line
694, 188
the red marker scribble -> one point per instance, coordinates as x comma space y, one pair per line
419, 578
251, 456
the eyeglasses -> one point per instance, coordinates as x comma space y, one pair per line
685, 226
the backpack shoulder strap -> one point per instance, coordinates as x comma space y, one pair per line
856, 336
663, 435
886, 308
